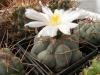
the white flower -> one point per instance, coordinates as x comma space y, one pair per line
60, 19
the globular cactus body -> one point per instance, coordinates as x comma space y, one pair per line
9, 64
57, 54
96, 65
89, 71
94, 68
89, 32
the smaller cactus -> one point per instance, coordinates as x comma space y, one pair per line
9, 64
94, 69
89, 71
89, 32
96, 65
18, 18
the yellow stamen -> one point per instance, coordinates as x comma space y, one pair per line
54, 20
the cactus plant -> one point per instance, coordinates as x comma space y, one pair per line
89, 32
9, 64
89, 71
18, 18
96, 65
94, 68
57, 53
19, 10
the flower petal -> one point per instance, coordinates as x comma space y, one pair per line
48, 31
64, 29
72, 25
59, 12
47, 11
35, 24
46, 16
70, 15
32, 14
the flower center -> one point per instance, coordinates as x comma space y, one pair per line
55, 19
